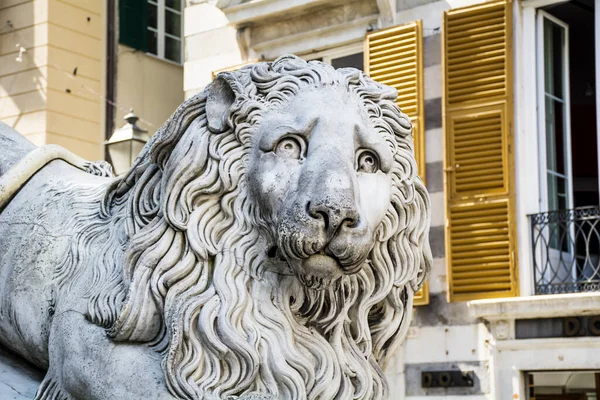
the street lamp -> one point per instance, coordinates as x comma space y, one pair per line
126, 143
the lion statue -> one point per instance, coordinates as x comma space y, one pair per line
266, 244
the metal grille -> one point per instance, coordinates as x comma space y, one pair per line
566, 250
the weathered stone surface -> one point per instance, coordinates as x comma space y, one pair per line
18, 379
18, 145
266, 244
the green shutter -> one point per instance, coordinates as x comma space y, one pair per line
133, 17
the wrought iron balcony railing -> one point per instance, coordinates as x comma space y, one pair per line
566, 250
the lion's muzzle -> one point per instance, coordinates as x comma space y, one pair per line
323, 235
322, 176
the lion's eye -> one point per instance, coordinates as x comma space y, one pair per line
367, 162
289, 148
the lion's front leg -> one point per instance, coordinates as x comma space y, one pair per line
86, 364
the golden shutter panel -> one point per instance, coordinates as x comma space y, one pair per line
394, 57
479, 160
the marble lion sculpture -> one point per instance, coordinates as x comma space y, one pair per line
266, 244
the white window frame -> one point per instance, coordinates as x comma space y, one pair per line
542, 134
161, 8
555, 254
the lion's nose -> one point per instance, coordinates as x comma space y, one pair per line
333, 216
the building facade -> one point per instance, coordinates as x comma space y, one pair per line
504, 99
503, 96
69, 71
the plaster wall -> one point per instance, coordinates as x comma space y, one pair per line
210, 45
23, 86
54, 94
151, 86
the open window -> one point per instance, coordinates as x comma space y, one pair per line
566, 235
567, 106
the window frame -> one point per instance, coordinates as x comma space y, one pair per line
160, 30
335, 52
541, 112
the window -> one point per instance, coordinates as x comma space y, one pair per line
350, 56
164, 29
352, 60
566, 248
153, 26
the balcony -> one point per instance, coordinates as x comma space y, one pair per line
566, 250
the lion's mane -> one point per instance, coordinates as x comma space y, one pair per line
179, 268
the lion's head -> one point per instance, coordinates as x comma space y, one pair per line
275, 232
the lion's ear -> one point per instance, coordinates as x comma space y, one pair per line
221, 96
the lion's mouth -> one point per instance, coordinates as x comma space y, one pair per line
317, 270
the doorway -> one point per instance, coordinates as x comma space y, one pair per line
563, 385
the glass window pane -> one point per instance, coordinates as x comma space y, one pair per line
173, 49
550, 135
152, 12
557, 59
554, 41
174, 4
556, 150
173, 23
552, 192
555, 123
560, 137
556, 155
353, 61
152, 42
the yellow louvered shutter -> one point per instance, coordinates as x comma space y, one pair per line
394, 57
479, 161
